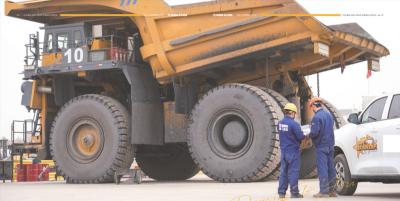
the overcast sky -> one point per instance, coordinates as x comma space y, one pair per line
344, 91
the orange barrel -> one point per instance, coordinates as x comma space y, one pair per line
21, 174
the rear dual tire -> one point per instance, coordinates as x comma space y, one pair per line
279, 104
233, 134
308, 157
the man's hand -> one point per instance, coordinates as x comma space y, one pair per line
306, 143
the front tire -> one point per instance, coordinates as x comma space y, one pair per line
345, 185
90, 139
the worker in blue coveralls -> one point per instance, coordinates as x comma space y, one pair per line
324, 140
290, 137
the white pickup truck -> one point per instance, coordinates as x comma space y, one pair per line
368, 147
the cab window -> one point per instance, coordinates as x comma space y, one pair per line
374, 111
49, 43
77, 38
394, 111
62, 41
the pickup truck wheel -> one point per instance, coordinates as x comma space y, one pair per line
233, 133
345, 185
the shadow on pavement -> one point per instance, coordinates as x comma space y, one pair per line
197, 181
395, 196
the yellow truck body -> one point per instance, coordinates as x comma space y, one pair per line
219, 70
182, 39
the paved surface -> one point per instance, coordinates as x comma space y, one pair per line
200, 188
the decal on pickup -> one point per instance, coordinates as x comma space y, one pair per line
365, 145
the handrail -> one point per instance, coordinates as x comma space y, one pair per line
36, 49
29, 127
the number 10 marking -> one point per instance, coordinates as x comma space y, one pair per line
78, 55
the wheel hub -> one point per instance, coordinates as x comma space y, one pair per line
88, 140
85, 141
340, 181
230, 133
234, 134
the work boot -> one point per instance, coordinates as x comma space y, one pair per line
321, 195
298, 195
333, 194
281, 196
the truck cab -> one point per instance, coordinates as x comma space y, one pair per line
366, 149
79, 47
64, 55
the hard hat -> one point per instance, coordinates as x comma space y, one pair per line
291, 107
314, 100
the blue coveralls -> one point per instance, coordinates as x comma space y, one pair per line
324, 140
290, 136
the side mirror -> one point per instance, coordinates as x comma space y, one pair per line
353, 118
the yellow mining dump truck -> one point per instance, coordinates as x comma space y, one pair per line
177, 88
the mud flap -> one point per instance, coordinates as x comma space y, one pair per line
147, 111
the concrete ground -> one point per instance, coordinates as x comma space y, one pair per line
199, 188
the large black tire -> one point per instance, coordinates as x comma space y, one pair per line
308, 163
345, 185
281, 101
232, 134
337, 116
90, 139
44, 154
308, 168
167, 162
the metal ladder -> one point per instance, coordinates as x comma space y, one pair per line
28, 128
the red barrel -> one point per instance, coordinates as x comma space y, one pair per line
33, 171
21, 173
28, 168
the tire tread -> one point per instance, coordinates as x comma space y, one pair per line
267, 166
122, 160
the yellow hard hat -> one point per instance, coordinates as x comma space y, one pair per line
291, 107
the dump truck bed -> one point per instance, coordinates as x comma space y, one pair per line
181, 40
